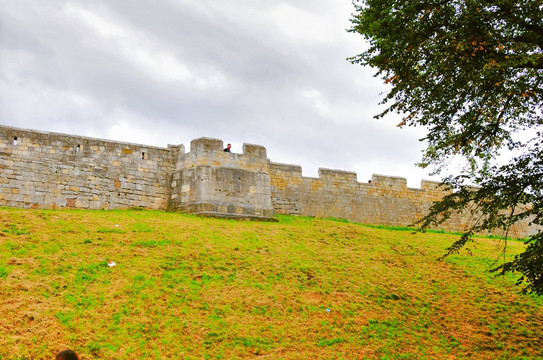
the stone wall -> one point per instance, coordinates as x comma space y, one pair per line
50, 170
385, 201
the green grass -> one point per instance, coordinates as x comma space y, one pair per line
186, 287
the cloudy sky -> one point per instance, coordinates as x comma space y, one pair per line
158, 72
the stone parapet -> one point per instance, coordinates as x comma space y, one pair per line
52, 170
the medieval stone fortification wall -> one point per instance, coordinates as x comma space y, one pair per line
385, 201
51, 170
48, 170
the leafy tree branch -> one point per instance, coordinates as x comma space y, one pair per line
471, 72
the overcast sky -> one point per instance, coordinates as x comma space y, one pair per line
158, 72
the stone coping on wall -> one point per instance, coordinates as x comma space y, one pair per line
88, 138
376, 180
286, 167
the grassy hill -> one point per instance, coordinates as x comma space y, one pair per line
185, 287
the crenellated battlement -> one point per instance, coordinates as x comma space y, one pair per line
51, 170
210, 181
207, 151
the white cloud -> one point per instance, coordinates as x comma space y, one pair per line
144, 52
123, 126
299, 25
316, 101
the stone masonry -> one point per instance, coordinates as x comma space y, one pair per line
48, 170
51, 170
210, 181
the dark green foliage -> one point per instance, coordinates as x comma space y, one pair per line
471, 72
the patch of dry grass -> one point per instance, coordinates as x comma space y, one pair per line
195, 288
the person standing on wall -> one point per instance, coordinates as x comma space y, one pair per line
227, 148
